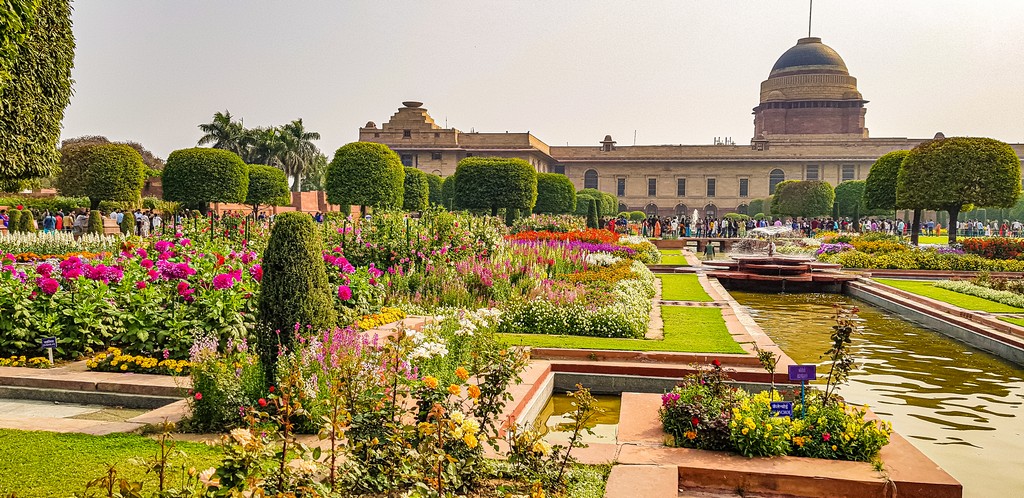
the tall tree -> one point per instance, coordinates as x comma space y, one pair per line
880, 187
316, 170
950, 173
299, 150
224, 133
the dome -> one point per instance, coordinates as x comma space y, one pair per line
809, 54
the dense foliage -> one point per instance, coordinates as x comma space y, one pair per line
850, 198
434, 183
416, 190
365, 174
555, 194
806, 198
198, 176
492, 183
37, 53
880, 186
607, 203
268, 186
106, 172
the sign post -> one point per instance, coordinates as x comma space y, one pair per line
803, 373
49, 344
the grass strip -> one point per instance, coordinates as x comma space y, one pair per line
682, 288
1015, 321
687, 330
48, 464
967, 302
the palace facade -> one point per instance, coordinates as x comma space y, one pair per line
808, 125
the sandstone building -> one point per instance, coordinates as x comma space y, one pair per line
808, 125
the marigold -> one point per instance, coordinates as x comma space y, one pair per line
470, 441
454, 390
474, 391
462, 373
430, 382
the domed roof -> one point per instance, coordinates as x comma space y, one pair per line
809, 54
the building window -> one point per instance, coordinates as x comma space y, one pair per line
376, 135
620, 187
590, 179
776, 177
711, 187
681, 210
812, 172
681, 187
558, 168
406, 159
469, 154
744, 187
437, 135
435, 156
652, 187
651, 210
406, 133
743, 209
849, 172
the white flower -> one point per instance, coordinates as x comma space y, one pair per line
207, 479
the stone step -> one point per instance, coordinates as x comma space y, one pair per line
126, 400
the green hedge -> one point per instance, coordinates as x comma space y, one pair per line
803, 198
555, 194
448, 192
13, 220
416, 190
608, 203
128, 223
434, 182
197, 176
268, 186
96, 222
26, 223
880, 186
637, 215
365, 174
492, 183
43, 204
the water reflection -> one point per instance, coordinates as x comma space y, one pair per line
558, 426
957, 404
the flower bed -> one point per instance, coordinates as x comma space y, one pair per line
922, 259
22, 361
994, 247
1006, 297
376, 320
114, 360
57, 243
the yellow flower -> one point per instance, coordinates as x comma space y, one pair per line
124, 366
470, 440
833, 447
474, 392
430, 382
732, 424
768, 427
454, 390
541, 447
692, 435
799, 441
745, 431
462, 373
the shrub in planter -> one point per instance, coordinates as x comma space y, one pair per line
294, 288
697, 413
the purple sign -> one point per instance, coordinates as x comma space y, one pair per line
802, 372
782, 408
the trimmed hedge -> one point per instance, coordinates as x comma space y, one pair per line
294, 289
27, 222
365, 174
434, 183
96, 222
198, 176
13, 220
607, 203
592, 217
880, 186
805, 198
39, 89
850, 197
416, 190
492, 183
555, 194
268, 186
128, 224
448, 192
637, 215
112, 172
51, 204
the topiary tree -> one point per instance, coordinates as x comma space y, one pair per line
14, 220
492, 183
37, 49
555, 194
128, 224
608, 202
27, 221
196, 177
773, 202
880, 186
448, 192
756, 206
434, 183
268, 186
294, 289
583, 201
96, 222
637, 215
416, 190
592, 218
365, 174
112, 172
850, 197
950, 173
806, 198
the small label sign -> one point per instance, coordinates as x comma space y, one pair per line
49, 343
782, 408
802, 372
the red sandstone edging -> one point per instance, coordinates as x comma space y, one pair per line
929, 274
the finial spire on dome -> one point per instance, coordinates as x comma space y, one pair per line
810, 13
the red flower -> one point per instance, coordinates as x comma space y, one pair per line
199, 396
696, 421
826, 436
271, 388
716, 363
262, 402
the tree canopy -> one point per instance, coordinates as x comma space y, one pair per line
113, 172
268, 186
947, 174
37, 50
555, 194
850, 198
198, 176
365, 174
492, 183
434, 183
803, 198
880, 187
416, 190
607, 203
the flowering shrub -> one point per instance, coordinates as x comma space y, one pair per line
223, 384
22, 361
550, 223
878, 246
994, 247
377, 320
590, 235
833, 248
754, 431
113, 360
696, 413
837, 431
1006, 297
922, 259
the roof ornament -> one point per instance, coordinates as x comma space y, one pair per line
810, 14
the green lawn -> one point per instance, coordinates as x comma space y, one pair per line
47, 464
1015, 321
928, 289
673, 257
688, 330
682, 288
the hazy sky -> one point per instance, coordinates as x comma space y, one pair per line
681, 71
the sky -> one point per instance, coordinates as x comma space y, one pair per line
568, 71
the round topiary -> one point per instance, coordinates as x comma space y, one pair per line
365, 174
416, 190
492, 183
27, 222
112, 172
555, 194
95, 222
294, 289
196, 177
268, 186
637, 216
14, 220
434, 182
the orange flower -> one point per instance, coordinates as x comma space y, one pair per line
474, 392
430, 382
454, 390
462, 373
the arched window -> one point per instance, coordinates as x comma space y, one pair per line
436, 172
590, 179
651, 210
681, 210
776, 177
711, 211
742, 209
623, 208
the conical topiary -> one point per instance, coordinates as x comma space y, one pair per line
95, 222
27, 221
128, 224
14, 220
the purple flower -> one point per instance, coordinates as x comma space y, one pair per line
256, 272
223, 281
48, 285
114, 274
344, 293
162, 246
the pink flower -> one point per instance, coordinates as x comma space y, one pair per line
256, 272
142, 253
262, 402
71, 273
223, 281
141, 284
44, 269
344, 293
162, 246
48, 285
184, 242
199, 396
146, 263
826, 436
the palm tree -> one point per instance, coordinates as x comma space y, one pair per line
299, 150
224, 133
264, 145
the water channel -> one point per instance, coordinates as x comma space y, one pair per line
962, 407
